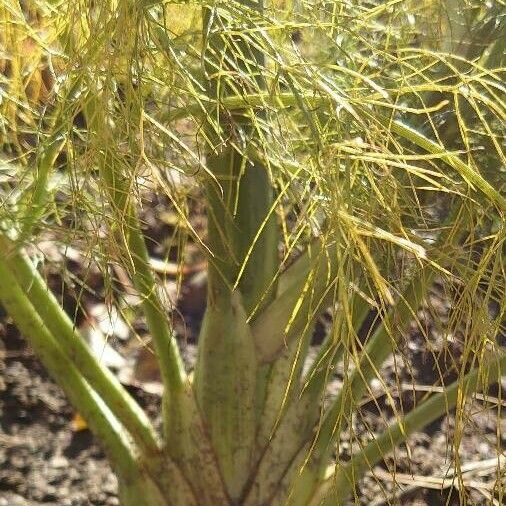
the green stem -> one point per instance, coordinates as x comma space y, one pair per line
188, 442
98, 417
72, 344
93, 390
164, 339
243, 240
282, 335
225, 389
34, 202
296, 424
141, 490
379, 347
336, 489
160, 481
127, 228
242, 229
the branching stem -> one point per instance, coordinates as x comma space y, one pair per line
73, 345
90, 405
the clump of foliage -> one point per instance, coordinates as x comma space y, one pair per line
349, 154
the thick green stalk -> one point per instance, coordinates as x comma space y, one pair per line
188, 442
243, 239
284, 455
297, 423
336, 489
141, 490
283, 386
90, 405
225, 389
242, 228
73, 345
285, 329
286, 423
92, 389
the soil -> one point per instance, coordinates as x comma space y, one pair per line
46, 460
42, 460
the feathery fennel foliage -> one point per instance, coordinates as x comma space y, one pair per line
350, 154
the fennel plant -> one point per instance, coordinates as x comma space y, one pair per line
346, 161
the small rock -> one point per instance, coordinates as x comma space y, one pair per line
110, 485
9, 499
107, 355
110, 322
58, 462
